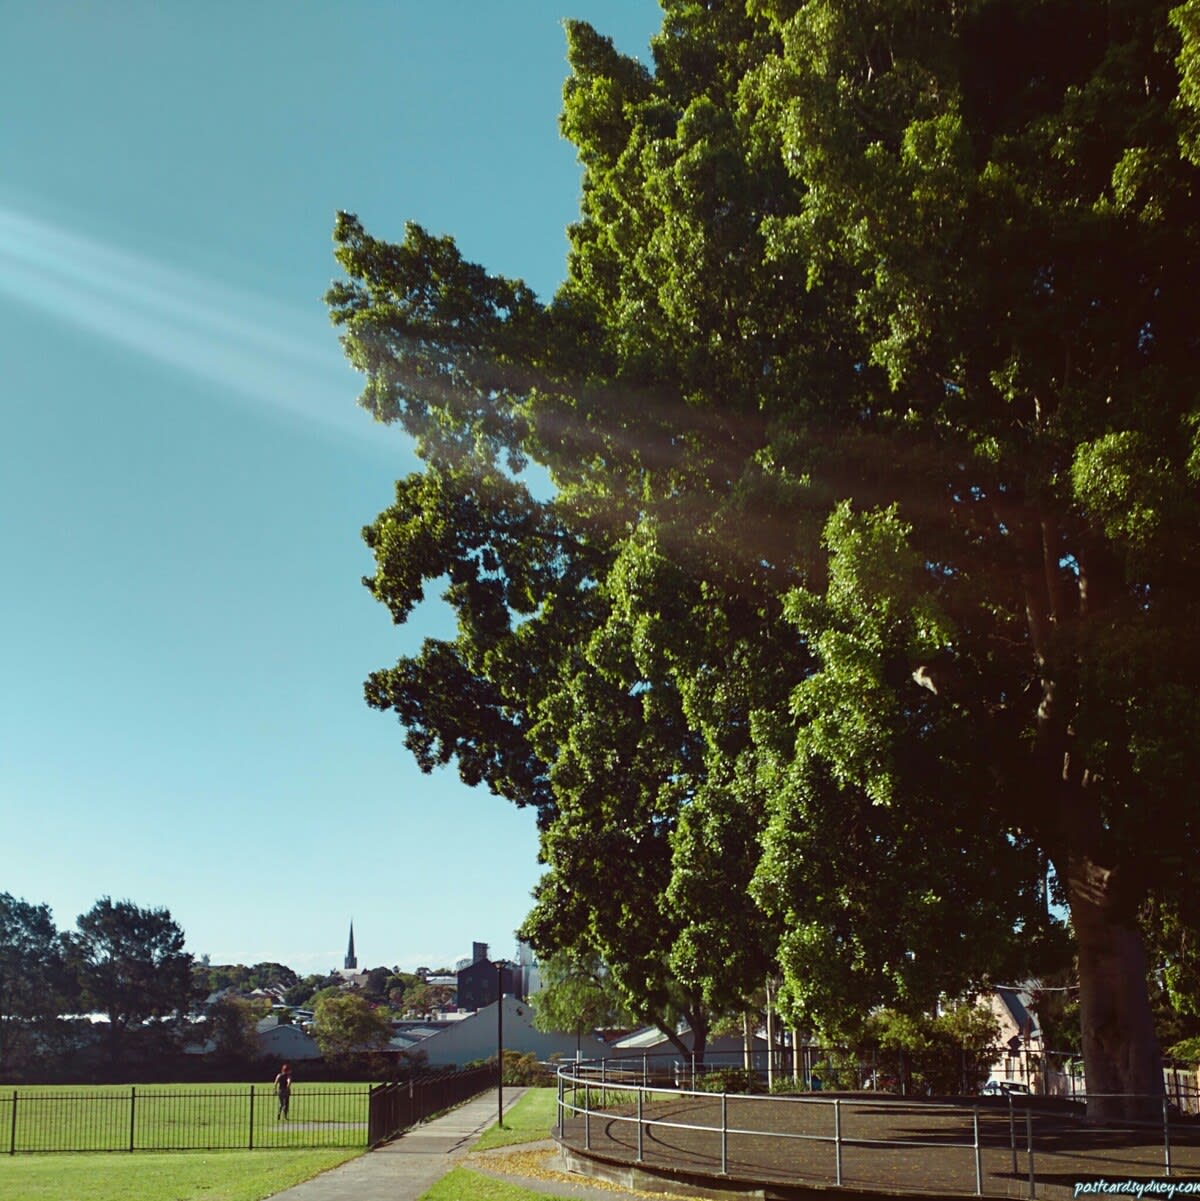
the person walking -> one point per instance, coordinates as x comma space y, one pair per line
283, 1090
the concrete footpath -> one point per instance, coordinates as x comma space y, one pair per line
404, 1168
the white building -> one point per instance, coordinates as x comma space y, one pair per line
474, 1037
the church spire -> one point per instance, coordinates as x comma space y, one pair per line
351, 964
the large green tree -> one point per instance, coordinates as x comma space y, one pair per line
870, 401
345, 1024
232, 1024
34, 984
132, 967
576, 994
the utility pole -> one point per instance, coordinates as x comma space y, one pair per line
500, 1042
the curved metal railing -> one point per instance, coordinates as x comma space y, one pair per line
625, 1109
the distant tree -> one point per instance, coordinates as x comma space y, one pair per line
232, 1025
215, 977
32, 976
375, 982
577, 994
345, 1024
424, 999
131, 965
949, 1053
302, 992
397, 984
330, 990
272, 975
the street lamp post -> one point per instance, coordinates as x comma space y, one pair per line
500, 1041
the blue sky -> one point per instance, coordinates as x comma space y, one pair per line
184, 470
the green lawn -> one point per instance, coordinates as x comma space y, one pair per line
163, 1175
460, 1184
529, 1119
179, 1117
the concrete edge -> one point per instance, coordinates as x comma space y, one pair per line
668, 1181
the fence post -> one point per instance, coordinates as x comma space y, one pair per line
837, 1137
587, 1120
250, 1138
724, 1134
12, 1138
1012, 1135
1167, 1135
640, 1148
1029, 1148
132, 1112
978, 1159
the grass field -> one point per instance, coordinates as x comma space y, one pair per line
461, 1184
529, 1119
162, 1176
179, 1117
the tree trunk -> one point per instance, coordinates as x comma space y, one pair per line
698, 1021
770, 1040
1120, 1049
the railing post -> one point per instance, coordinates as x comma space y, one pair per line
1029, 1149
837, 1137
640, 1147
1012, 1135
559, 1108
1166, 1135
12, 1137
132, 1113
250, 1137
587, 1121
724, 1134
978, 1157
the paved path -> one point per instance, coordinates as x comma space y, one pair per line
404, 1168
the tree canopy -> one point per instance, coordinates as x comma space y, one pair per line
131, 966
34, 982
863, 610
345, 1024
576, 994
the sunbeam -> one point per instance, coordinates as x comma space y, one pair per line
252, 349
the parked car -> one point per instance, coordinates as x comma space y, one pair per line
995, 1088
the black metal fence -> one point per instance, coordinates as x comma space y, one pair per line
396, 1106
225, 1117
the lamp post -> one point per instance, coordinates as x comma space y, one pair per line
500, 1042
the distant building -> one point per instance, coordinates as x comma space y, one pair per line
474, 1037
285, 1042
531, 976
351, 962
479, 983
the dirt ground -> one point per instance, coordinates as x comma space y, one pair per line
888, 1144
